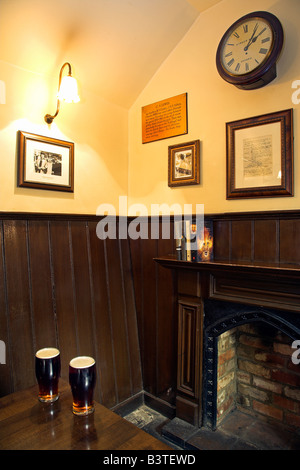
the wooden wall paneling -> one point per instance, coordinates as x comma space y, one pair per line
266, 237
103, 328
132, 327
241, 240
289, 241
85, 311
222, 238
82, 289
64, 294
188, 348
135, 247
149, 314
55, 274
6, 385
189, 358
21, 351
43, 308
166, 326
118, 320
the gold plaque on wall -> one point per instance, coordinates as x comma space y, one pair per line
164, 119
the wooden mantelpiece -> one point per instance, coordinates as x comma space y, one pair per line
222, 265
269, 285
275, 285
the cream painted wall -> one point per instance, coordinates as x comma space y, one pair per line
110, 160
211, 103
98, 128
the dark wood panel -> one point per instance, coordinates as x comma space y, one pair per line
103, 331
189, 362
188, 283
222, 238
256, 215
6, 385
84, 318
132, 327
135, 247
157, 316
188, 352
41, 285
21, 351
64, 294
289, 241
266, 236
118, 320
270, 291
82, 289
241, 240
166, 328
149, 315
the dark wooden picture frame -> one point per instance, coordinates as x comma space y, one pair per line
45, 162
259, 153
184, 164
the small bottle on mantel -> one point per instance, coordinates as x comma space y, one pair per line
179, 248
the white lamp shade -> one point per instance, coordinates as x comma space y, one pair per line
68, 90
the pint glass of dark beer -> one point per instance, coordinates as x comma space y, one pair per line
47, 371
82, 378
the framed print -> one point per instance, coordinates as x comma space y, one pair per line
184, 164
45, 163
260, 156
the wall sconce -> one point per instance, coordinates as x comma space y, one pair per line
67, 91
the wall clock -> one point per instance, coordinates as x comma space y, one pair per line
249, 49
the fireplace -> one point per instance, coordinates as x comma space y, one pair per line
240, 368
217, 297
251, 288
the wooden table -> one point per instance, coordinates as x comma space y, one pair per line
27, 424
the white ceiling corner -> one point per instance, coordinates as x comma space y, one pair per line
115, 46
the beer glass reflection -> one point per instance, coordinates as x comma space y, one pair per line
82, 378
47, 371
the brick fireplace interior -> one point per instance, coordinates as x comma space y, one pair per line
248, 364
256, 374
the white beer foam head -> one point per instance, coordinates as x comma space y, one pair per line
81, 362
47, 353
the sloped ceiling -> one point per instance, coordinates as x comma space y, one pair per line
114, 46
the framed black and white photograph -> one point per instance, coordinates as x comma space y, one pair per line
260, 156
45, 163
184, 164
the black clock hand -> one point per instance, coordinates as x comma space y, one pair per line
251, 39
254, 39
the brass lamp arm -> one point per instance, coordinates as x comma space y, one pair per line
48, 117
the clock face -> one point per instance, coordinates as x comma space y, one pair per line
246, 46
